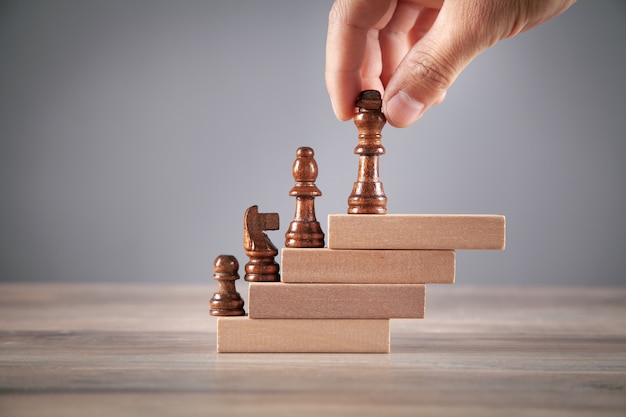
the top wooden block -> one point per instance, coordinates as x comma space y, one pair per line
416, 231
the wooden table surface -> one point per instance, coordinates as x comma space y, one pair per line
118, 350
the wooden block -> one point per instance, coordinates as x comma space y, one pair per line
245, 335
335, 301
416, 231
301, 265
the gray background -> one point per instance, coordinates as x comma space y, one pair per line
134, 134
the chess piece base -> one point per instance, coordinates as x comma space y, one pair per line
229, 304
304, 234
367, 198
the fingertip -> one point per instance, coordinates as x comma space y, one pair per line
337, 114
341, 112
441, 98
342, 93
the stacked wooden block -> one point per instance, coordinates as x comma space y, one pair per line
341, 298
375, 268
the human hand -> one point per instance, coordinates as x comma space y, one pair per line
413, 50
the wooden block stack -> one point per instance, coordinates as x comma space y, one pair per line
341, 298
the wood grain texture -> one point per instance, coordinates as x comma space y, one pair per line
416, 231
244, 335
278, 300
149, 350
367, 266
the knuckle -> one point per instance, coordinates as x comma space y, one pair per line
337, 12
433, 72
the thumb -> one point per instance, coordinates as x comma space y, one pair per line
428, 70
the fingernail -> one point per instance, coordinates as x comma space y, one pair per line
332, 103
402, 110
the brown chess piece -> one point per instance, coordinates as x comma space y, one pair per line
226, 301
368, 196
304, 231
259, 248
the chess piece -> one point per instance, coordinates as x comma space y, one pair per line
258, 246
304, 231
368, 196
226, 301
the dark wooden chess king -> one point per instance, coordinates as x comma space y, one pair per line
368, 196
304, 231
226, 301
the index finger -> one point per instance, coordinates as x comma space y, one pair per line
349, 22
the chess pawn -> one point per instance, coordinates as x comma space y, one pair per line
304, 231
368, 196
226, 301
259, 248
